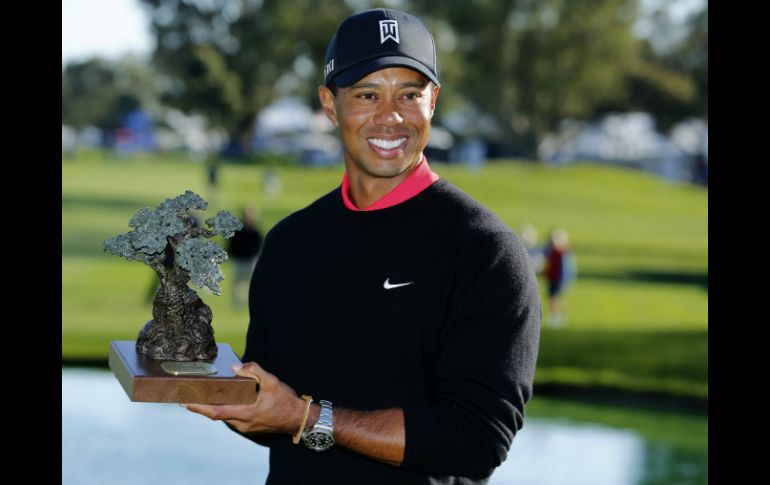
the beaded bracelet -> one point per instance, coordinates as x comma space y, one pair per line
298, 435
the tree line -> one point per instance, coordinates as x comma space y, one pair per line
526, 63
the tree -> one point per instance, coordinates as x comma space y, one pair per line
669, 78
228, 59
101, 93
528, 63
533, 63
690, 56
168, 239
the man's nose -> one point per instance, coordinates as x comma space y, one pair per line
388, 115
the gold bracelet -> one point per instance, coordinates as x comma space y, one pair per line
298, 435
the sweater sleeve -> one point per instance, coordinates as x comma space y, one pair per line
485, 365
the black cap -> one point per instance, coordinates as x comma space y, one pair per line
375, 39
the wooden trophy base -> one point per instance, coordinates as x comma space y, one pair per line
144, 381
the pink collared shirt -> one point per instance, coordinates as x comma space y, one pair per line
416, 182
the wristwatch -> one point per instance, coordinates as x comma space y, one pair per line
321, 436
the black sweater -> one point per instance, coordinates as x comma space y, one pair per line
456, 348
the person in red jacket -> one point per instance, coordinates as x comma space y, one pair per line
560, 271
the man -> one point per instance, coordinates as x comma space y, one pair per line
402, 305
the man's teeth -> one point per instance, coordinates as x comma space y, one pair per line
386, 144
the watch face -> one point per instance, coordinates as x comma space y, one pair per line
318, 440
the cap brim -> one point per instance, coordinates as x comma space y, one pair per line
350, 75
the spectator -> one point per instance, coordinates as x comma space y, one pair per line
243, 249
560, 270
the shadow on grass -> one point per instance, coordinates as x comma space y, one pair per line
88, 362
623, 398
645, 364
700, 279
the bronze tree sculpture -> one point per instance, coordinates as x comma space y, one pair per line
169, 240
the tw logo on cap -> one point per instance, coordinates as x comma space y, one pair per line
329, 67
388, 30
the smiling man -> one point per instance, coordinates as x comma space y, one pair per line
384, 120
404, 312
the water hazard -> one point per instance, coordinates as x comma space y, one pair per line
108, 439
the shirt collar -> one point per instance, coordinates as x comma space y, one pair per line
420, 179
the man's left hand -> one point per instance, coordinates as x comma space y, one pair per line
278, 409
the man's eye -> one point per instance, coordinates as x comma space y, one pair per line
366, 95
413, 96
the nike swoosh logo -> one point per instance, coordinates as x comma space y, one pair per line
388, 286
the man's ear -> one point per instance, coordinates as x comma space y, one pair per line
326, 97
436, 89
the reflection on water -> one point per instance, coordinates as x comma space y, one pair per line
547, 452
108, 439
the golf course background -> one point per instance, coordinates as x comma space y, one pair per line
637, 313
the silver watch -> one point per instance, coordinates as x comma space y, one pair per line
321, 436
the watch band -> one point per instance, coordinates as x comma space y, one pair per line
326, 416
321, 436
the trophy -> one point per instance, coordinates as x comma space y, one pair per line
175, 357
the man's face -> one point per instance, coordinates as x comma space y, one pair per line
384, 120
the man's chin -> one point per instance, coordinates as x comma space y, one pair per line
389, 171
390, 168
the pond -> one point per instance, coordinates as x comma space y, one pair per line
108, 439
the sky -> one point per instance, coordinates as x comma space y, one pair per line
111, 28
107, 28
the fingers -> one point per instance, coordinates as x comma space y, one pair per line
251, 369
239, 425
219, 412
203, 409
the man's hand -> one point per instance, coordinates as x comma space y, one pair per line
278, 409
377, 434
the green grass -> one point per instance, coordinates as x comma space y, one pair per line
637, 315
669, 361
